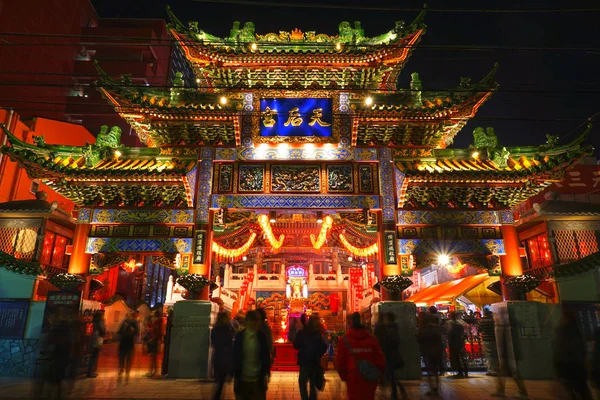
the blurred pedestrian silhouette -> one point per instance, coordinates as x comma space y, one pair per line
251, 361
388, 335
507, 360
311, 347
55, 353
488, 339
221, 338
264, 326
430, 343
570, 357
154, 338
96, 342
128, 331
456, 346
360, 360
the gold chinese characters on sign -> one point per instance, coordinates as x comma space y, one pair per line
294, 118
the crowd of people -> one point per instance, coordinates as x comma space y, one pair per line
243, 349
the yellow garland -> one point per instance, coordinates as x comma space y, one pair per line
265, 225
234, 253
320, 241
357, 251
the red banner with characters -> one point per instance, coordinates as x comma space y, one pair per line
356, 286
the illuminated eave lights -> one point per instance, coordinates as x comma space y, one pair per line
320, 240
234, 253
358, 251
265, 225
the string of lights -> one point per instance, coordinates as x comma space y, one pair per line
319, 241
359, 251
233, 253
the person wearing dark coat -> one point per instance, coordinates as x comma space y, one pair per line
221, 338
96, 341
456, 346
251, 361
128, 331
430, 344
388, 335
311, 347
570, 357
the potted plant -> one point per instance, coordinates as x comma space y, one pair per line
66, 281
197, 286
391, 287
524, 283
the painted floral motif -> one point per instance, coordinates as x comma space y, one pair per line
296, 178
251, 178
339, 178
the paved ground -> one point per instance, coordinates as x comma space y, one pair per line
283, 386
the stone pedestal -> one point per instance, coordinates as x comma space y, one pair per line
405, 312
190, 351
524, 333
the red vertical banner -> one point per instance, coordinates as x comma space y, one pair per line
355, 284
370, 275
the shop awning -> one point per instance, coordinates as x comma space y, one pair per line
474, 288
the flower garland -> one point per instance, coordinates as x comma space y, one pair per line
265, 225
359, 251
233, 253
320, 240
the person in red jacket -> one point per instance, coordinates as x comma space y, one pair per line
358, 343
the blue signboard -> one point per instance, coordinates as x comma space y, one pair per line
296, 117
13, 316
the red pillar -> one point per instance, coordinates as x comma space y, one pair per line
510, 262
79, 262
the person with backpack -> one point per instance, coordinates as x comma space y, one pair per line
311, 347
128, 331
361, 362
388, 335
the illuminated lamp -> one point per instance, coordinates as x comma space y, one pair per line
197, 80
69, 249
253, 46
475, 154
349, 258
272, 217
223, 100
117, 154
244, 258
338, 46
369, 101
443, 259
319, 217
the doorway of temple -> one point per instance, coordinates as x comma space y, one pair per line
295, 262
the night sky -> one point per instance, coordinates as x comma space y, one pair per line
541, 91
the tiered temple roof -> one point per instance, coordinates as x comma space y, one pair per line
486, 175
296, 59
100, 174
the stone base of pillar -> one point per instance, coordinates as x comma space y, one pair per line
190, 352
405, 312
524, 333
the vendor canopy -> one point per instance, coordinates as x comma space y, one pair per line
474, 288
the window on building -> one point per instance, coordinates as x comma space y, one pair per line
157, 279
53, 250
573, 245
538, 251
35, 187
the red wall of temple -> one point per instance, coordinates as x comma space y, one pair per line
14, 182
